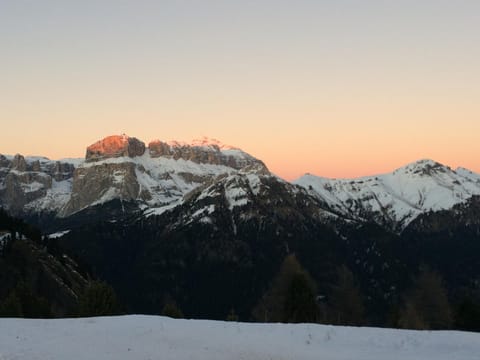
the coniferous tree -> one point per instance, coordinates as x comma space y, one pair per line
172, 310
345, 302
22, 302
427, 305
281, 303
232, 315
409, 318
98, 299
300, 301
467, 316
11, 306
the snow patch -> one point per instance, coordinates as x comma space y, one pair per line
236, 196
160, 210
58, 234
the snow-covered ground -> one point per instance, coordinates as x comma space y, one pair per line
153, 337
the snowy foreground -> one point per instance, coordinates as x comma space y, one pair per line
153, 337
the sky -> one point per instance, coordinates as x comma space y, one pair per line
340, 88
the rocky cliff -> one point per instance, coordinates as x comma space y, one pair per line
117, 167
203, 151
34, 183
115, 146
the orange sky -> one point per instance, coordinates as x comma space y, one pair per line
338, 89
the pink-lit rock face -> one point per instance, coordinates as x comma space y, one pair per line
204, 151
115, 146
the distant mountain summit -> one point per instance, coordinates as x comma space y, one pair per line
115, 146
395, 199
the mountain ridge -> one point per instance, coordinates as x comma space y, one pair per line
394, 199
160, 175
187, 222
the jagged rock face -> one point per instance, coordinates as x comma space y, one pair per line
36, 166
61, 171
4, 162
203, 153
115, 146
118, 168
97, 183
24, 182
22, 188
19, 163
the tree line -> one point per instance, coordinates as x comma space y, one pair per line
294, 297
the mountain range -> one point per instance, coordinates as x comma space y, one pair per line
209, 225
163, 175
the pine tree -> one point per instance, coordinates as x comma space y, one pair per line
281, 301
22, 302
427, 306
300, 303
98, 299
409, 318
172, 310
468, 314
345, 302
232, 315
11, 306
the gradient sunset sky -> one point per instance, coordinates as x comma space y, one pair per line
338, 88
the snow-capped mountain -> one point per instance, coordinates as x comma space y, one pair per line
245, 195
163, 175
117, 167
395, 199
189, 219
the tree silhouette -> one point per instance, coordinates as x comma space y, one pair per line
345, 302
172, 310
290, 297
300, 303
98, 299
427, 306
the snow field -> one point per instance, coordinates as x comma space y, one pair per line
154, 337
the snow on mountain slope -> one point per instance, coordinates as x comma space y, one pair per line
468, 174
395, 199
227, 191
161, 180
35, 183
231, 200
153, 337
116, 167
204, 142
157, 176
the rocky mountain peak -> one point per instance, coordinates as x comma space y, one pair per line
203, 151
115, 146
19, 163
425, 167
395, 199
